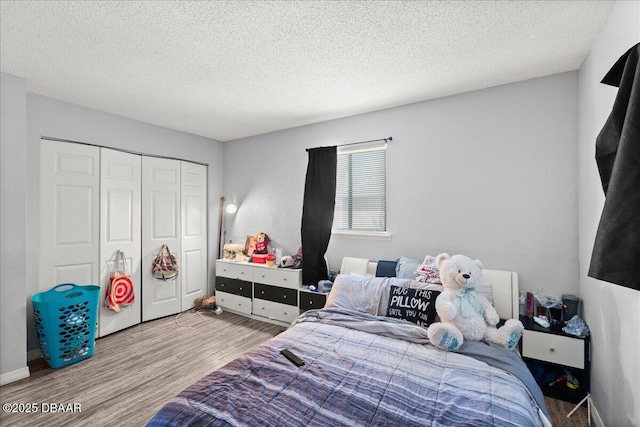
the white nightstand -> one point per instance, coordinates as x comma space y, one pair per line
555, 349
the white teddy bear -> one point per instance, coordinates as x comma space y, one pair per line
465, 314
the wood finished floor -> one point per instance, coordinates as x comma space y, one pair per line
136, 371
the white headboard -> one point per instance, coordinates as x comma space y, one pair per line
504, 283
505, 292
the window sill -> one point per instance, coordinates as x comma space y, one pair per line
384, 235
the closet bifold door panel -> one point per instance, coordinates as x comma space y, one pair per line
193, 266
96, 201
120, 213
69, 214
161, 225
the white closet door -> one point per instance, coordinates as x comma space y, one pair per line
194, 233
69, 214
120, 192
160, 226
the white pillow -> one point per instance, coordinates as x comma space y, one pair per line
363, 294
426, 286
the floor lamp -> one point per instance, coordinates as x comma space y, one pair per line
222, 229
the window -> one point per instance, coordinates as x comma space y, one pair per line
361, 194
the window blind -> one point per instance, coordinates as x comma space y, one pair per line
361, 199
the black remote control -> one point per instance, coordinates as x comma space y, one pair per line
292, 357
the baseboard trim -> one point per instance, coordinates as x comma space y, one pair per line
33, 355
13, 376
595, 420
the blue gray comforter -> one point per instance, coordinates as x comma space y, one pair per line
359, 371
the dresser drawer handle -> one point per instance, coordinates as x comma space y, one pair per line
262, 292
240, 288
284, 296
551, 349
310, 302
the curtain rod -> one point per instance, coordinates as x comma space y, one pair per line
363, 142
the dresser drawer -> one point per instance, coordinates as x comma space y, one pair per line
551, 348
275, 294
233, 302
234, 270
275, 311
233, 286
283, 277
311, 300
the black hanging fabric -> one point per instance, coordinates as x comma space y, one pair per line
616, 251
317, 212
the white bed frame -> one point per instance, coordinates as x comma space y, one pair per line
505, 292
504, 283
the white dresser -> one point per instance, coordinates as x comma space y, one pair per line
262, 292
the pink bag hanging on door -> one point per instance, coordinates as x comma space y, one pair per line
120, 289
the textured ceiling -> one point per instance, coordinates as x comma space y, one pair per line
227, 69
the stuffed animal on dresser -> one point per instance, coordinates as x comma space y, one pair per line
465, 314
262, 243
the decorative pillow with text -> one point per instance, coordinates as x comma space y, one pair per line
414, 305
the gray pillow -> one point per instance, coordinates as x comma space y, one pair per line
406, 268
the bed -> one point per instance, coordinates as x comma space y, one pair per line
364, 368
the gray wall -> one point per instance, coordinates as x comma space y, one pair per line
13, 131
51, 118
612, 312
491, 174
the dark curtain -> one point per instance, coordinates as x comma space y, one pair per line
616, 251
317, 212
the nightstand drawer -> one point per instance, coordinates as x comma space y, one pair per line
311, 300
551, 348
234, 270
275, 311
286, 278
233, 302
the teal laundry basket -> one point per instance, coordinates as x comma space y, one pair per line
66, 318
